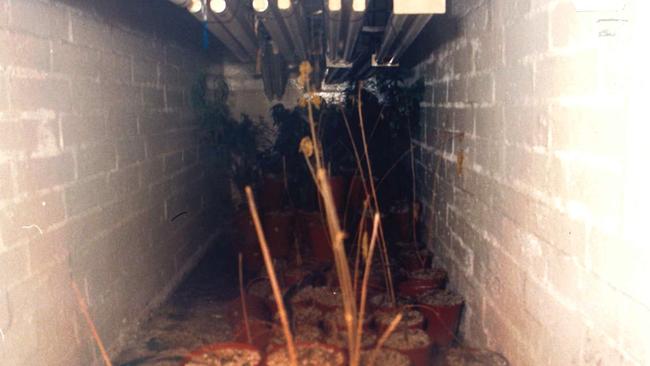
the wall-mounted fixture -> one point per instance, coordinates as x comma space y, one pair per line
284, 21
233, 15
345, 19
400, 33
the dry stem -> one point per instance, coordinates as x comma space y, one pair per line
384, 337
242, 296
277, 294
364, 289
84, 310
384, 252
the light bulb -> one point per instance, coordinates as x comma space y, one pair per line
334, 5
359, 5
195, 6
218, 6
284, 4
260, 5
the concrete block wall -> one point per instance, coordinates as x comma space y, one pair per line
99, 152
527, 172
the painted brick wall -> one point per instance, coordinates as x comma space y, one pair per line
528, 173
99, 150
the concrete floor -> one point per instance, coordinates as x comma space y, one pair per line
192, 317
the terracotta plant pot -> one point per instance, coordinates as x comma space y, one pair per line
418, 349
339, 185
410, 261
384, 315
443, 310
245, 236
272, 192
316, 234
278, 228
442, 323
293, 276
334, 355
401, 223
419, 356
414, 287
260, 332
256, 308
356, 194
199, 355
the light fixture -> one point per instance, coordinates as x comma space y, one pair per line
218, 6
268, 13
232, 18
284, 4
359, 5
355, 23
401, 31
294, 21
195, 6
334, 15
421, 6
236, 35
260, 5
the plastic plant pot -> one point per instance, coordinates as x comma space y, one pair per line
272, 192
442, 323
415, 284
260, 332
201, 356
320, 354
256, 308
339, 186
443, 310
247, 239
419, 348
278, 228
384, 315
317, 235
356, 194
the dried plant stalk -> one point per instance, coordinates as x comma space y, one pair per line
340, 258
384, 337
373, 190
83, 307
277, 294
242, 296
364, 290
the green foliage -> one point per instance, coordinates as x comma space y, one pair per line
228, 141
391, 110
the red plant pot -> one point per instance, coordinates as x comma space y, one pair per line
442, 322
256, 308
317, 235
356, 194
412, 262
196, 354
246, 238
260, 332
402, 224
300, 345
413, 287
339, 186
293, 276
392, 310
418, 356
272, 192
278, 228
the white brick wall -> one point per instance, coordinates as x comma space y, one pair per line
539, 227
98, 150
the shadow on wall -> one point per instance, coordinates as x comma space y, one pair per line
441, 29
150, 17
